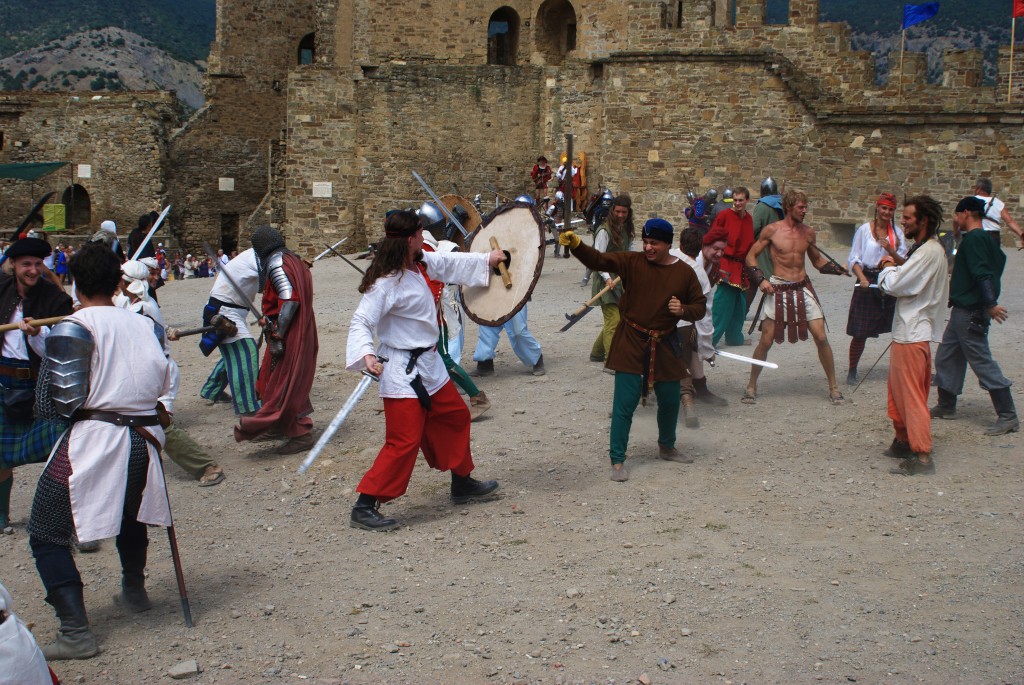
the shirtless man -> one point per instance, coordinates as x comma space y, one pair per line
798, 311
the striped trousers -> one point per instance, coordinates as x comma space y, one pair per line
237, 368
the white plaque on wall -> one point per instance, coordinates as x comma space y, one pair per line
85, 171
226, 184
322, 188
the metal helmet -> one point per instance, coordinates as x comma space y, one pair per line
711, 197
525, 199
727, 194
559, 195
691, 197
607, 197
769, 187
430, 216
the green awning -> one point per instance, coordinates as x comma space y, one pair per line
30, 171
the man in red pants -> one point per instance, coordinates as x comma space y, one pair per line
422, 408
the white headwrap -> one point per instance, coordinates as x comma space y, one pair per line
150, 262
137, 276
108, 226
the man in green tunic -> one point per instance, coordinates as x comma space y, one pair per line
646, 354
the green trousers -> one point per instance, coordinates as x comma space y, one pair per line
628, 387
727, 314
186, 452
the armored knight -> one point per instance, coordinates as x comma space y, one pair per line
104, 477
289, 364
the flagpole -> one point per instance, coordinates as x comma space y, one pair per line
903, 42
1009, 84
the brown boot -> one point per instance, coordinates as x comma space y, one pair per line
478, 404
689, 411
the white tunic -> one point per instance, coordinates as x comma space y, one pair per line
866, 251
129, 374
243, 271
705, 327
921, 288
993, 212
400, 310
20, 658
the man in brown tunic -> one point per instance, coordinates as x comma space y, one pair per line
646, 353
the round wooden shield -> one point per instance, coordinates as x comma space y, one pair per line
470, 224
518, 228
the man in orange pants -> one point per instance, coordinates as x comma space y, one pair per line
921, 288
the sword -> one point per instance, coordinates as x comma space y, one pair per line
340, 417
238, 290
156, 225
827, 256
748, 360
872, 367
346, 260
585, 309
329, 250
441, 205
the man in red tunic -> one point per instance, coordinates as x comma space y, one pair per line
286, 374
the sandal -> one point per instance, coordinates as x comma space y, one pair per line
836, 397
749, 397
211, 476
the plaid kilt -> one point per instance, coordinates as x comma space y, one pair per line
871, 313
24, 441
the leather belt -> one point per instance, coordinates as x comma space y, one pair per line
115, 418
19, 372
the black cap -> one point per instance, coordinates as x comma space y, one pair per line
29, 247
971, 204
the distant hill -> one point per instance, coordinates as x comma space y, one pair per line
103, 60
184, 28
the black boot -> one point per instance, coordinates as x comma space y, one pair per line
1006, 413
365, 515
74, 639
484, 368
899, 450
946, 408
467, 488
133, 595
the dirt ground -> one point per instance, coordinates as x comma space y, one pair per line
786, 553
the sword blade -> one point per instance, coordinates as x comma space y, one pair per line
336, 422
346, 260
149, 236
441, 205
748, 360
329, 250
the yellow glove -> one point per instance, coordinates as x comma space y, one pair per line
569, 239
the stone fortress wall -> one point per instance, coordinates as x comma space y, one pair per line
318, 110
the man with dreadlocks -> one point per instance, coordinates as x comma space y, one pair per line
614, 235
286, 375
920, 287
422, 408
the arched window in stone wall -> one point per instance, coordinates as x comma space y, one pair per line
307, 48
672, 14
556, 30
77, 206
503, 37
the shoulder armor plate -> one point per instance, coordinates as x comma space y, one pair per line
69, 350
278, 277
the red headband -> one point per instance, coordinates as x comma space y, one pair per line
887, 200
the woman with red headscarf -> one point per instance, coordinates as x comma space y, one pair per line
871, 311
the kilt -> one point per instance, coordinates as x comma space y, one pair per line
23, 440
871, 313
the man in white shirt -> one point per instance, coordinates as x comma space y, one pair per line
921, 289
995, 212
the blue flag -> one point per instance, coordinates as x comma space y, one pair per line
915, 14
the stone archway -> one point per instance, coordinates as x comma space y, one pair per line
503, 37
77, 205
556, 30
